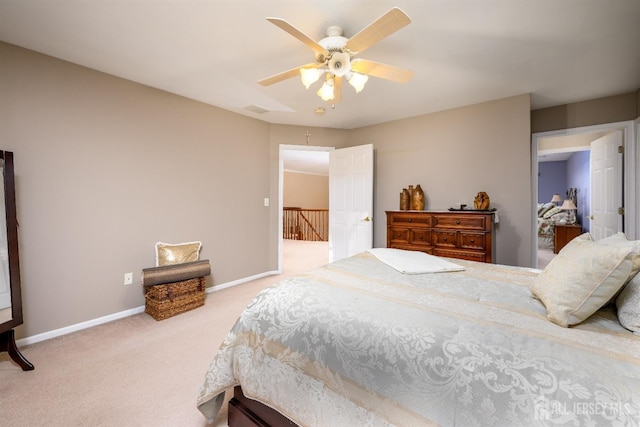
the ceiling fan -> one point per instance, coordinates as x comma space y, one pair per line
335, 56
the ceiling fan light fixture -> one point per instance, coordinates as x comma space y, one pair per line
340, 64
335, 56
358, 81
326, 91
310, 75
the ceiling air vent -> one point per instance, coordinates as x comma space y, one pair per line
256, 109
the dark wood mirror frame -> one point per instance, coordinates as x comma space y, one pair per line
7, 336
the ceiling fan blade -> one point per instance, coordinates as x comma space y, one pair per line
383, 71
317, 48
382, 27
337, 90
285, 75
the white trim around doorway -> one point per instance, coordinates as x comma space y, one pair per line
282, 149
631, 166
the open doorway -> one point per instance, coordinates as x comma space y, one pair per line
303, 184
561, 146
563, 176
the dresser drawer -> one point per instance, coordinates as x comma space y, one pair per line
468, 255
408, 247
408, 219
420, 237
460, 221
474, 241
445, 238
398, 235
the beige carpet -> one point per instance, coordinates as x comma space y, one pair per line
135, 371
545, 253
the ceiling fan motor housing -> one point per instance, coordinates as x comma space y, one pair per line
334, 43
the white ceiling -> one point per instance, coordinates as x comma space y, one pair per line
462, 51
306, 161
560, 148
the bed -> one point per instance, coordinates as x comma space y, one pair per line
548, 216
364, 341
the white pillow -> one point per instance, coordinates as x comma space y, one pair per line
620, 240
169, 254
628, 303
544, 208
582, 278
553, 211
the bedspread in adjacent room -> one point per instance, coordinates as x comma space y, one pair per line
548, 216
358, 343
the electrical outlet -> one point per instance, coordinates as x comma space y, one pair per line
128, 278
266, 201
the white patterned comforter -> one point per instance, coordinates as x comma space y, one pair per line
358, 343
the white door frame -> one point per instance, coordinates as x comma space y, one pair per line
282, 149
631, 160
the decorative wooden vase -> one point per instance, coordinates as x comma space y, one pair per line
405, 200
412, 198
417, 201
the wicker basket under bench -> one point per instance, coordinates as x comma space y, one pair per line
165, 298
164, 301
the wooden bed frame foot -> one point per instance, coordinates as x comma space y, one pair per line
245, 412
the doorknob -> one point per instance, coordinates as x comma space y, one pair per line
591, 217
368, 218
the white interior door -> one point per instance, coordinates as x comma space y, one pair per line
350, 201
606, 186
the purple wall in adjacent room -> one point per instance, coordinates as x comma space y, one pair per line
552, 179
557, 177
579, 176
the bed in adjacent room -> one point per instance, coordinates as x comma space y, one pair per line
548, 216
388, 337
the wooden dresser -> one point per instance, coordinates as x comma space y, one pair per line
455, 234
563, 234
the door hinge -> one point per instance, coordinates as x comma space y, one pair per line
621, 211
621, 149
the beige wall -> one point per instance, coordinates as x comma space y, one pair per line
453, 155
106, 167
610, 109
304, 190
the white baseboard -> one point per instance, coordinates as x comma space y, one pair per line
240, 281
122, 314
78, 326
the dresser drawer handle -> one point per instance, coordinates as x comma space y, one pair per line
445, 239
458, 222
473, 240
420, 237
410, 219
